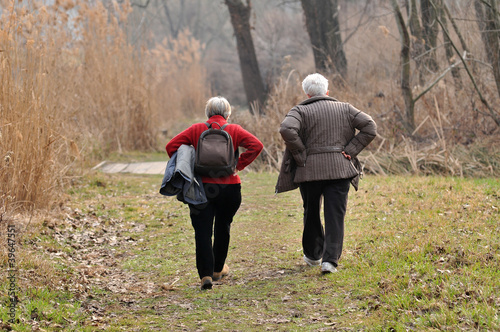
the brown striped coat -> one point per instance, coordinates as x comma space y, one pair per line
315, 133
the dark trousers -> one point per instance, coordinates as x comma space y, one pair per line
215, 218
318, 243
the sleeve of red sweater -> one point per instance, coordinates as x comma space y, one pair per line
184, 137
252, 145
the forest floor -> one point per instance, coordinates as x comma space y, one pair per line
420, 253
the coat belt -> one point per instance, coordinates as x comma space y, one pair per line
324, 149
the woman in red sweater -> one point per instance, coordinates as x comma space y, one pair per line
223, 194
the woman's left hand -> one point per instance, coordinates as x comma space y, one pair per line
346, 155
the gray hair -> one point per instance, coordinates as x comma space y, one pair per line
315, 85
218, 106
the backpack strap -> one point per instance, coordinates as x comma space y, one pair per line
210, 125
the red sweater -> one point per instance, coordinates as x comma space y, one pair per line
240, 137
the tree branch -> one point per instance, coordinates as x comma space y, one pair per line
486, 3
439, 78
483, 100
359, 25
169, 19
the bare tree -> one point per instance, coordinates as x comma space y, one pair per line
443, 12
424, 30
492, 113
252, 78
322, 24
409, 120
430, 33
174, 27
408, 97
418, 49
489, 25
453, 24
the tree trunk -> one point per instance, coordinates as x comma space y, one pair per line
409, 121
322, 24
418, 48
489, 25
174, 28
455, 72
252, 78
430, 32
454, 25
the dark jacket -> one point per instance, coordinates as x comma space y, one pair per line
179, 178
315, 133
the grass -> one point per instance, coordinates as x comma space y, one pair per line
420, 253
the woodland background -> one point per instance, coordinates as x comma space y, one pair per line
81, 80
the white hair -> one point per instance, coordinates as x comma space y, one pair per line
315, 85
218, 106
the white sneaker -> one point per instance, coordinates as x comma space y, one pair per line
311, 262
327, 267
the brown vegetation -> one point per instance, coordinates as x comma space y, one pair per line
74, 88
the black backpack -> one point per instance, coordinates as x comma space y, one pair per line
215, 155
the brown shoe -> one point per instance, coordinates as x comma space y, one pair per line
221, 274
206, 283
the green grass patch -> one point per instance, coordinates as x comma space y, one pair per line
420, 253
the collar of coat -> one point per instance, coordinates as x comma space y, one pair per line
316, 98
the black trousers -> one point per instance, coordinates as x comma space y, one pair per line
318, 243
214, 217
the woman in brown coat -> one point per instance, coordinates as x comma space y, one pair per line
320, 159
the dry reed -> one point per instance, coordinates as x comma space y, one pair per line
73, 88
179, 87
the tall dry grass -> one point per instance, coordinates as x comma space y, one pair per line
180, 88
73, 89
110, 88
31, 139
